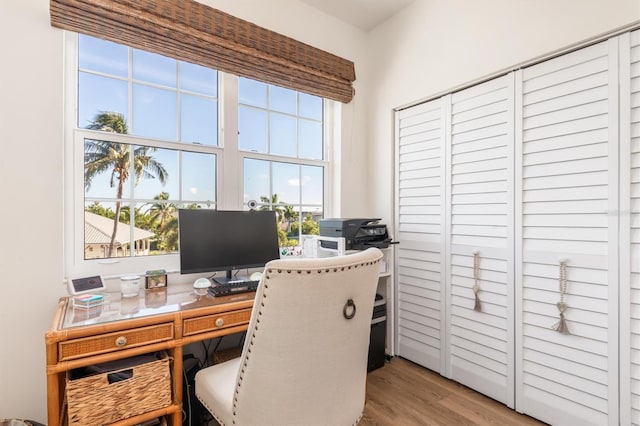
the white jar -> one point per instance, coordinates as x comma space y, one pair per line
130, 286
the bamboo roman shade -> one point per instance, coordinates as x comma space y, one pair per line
193, 32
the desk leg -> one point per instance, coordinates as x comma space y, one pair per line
177, 381
55, 390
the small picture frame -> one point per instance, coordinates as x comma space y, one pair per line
155, 279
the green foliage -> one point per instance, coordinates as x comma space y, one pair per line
310, 226
100, 210
161, 218
284, 240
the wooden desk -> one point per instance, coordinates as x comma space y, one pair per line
156, 320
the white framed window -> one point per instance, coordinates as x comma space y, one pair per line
286, 128
147, 134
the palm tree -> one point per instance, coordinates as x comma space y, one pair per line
115, 158
290, 215
161, 215
170, 236
125, 214
275, 205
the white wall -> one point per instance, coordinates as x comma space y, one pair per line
435, 45
31, 214
32, 173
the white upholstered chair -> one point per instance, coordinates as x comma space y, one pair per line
304, 360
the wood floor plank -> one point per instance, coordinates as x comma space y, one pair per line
404, 393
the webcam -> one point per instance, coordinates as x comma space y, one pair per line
252, 204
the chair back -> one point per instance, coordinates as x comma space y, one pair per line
304, 360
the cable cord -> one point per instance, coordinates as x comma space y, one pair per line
188, 393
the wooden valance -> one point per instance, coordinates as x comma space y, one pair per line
194, 32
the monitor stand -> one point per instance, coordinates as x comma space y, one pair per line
230, 279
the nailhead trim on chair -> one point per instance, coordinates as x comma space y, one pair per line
262, 305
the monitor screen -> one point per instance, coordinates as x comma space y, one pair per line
216, 240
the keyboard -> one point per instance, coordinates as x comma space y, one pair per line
218, 289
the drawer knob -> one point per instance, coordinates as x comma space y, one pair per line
121, 341
219, 322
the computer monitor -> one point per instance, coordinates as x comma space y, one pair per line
217, 240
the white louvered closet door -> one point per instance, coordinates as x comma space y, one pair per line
420, 231
630, 228
480, 205
566, 193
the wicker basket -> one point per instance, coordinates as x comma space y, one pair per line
142, 385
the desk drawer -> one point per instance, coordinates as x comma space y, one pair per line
197, 325
109, 342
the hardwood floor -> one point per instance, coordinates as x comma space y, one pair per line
403, 393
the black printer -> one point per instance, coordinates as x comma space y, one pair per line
359, 234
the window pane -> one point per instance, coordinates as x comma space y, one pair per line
307, 222
199, 120
281, 99
106, 169
252, 92
312, 185
154, 68
290, 225
97, 94
252, 129
310, 106
294, 131
282, 135
161, 172
154, 113
286, 182
310, 220
310, 139
103, 56
149, 229
198, 79
256, 181
198, 177
146, 183
149, 233
159, 217
103, 240
98, 227
285, 185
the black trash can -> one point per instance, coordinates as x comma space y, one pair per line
378, 336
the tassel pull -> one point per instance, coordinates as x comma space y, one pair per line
477, 306
562, 326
